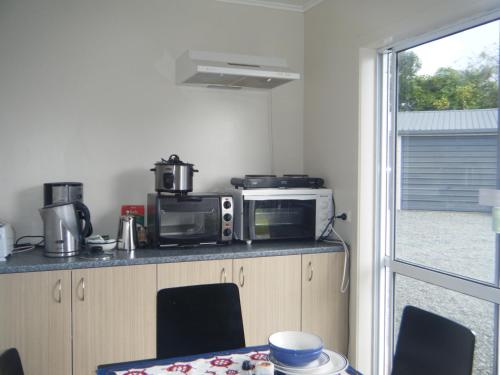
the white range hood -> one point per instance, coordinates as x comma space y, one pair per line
232, 71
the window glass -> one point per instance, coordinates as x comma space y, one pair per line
477, 315
439, 142
447, 132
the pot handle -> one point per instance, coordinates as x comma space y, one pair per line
174, 157
194, 170
153, 169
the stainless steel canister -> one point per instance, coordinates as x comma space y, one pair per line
127, 233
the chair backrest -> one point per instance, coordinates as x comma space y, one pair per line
10, 363
430, 344
198, 319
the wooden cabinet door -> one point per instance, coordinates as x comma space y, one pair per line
324, 307
114, 316
270, 295
193, 273
35, 318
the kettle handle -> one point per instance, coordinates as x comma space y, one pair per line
87, 229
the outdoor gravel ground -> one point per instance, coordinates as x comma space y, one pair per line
457, 242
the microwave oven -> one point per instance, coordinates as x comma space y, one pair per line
267, 214
189, 219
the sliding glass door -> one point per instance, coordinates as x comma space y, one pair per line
439, 145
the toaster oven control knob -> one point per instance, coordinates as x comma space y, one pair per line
227, 217
227, 205
227, 232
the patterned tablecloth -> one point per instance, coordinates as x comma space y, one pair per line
224, 363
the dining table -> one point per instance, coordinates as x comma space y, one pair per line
215, 363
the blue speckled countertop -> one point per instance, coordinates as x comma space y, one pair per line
36, 261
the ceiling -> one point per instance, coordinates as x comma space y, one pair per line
292, 5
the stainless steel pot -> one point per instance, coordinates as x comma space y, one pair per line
173, 175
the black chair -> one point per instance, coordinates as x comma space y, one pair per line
430, 344
10, 363
198, 319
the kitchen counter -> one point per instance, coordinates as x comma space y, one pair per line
35, 260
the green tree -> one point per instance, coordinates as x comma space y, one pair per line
474, 87
408, 66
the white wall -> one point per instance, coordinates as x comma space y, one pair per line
87, 94
340, 37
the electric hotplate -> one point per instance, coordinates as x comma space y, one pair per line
253, 181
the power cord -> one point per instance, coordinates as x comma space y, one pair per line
330, 224
24, 244
22, 249
344, 286
325, 234
25, 247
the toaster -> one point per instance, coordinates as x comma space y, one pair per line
6, 240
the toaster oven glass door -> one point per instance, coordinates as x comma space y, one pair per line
281, 219
189, 219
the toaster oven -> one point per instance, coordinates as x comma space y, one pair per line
189, 219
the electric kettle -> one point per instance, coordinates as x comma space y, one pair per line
62, 229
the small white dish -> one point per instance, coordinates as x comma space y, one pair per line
99, 241
335, 365
322, 361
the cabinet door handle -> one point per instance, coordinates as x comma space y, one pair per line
223, 277
242, 277
82, 285
311, 271
59, 291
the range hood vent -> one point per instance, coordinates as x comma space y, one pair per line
232, 71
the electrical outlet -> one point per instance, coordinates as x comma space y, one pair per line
347, 216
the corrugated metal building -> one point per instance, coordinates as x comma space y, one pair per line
446, 157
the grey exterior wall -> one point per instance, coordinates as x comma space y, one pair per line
445, 172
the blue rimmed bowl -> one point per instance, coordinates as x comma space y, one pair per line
294, 348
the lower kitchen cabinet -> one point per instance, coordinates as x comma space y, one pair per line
114, 316
192, 273
270, 290
68, 322
324, 307
35, 318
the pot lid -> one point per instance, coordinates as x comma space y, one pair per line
172, 160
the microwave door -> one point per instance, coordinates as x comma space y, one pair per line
190, 219
281, 219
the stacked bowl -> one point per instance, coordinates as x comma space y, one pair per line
294, 353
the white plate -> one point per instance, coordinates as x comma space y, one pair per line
323, 360
337, 363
